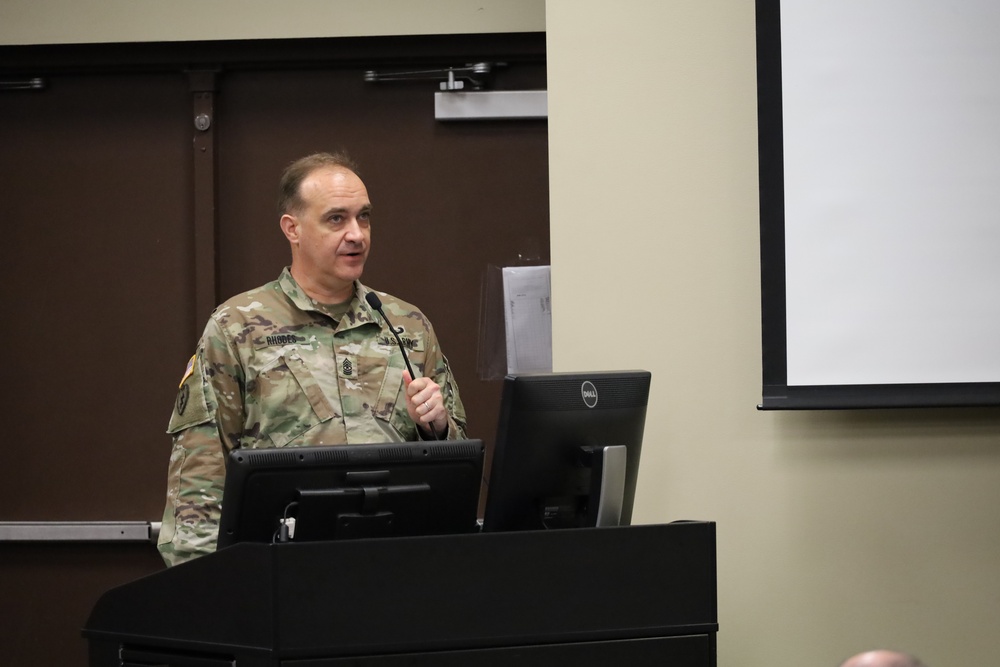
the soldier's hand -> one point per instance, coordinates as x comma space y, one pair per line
425, 404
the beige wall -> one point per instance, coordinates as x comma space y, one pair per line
86, 21
837, 531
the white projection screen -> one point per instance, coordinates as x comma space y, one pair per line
879, 138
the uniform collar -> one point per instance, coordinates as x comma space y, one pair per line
358, 313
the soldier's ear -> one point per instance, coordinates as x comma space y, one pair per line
290, 227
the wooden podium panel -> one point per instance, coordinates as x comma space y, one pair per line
637, 595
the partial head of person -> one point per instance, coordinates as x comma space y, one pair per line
882, 658
326, 217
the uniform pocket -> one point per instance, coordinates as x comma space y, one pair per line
287, 401
391, 406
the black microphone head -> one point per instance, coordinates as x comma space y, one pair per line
373, 300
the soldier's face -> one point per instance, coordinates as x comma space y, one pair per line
333, 229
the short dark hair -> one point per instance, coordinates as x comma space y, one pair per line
289, 199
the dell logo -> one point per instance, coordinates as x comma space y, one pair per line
589, 392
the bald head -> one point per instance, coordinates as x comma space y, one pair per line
883, 659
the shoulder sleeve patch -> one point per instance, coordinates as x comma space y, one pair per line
191, 405
188, 370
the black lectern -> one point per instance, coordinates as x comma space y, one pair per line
635, 595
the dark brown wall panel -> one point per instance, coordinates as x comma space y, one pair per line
96, 272
96, 267
100, 303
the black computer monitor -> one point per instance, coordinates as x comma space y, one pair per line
567, 450
351, 491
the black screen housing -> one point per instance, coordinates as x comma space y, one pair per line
547, 455
352, 491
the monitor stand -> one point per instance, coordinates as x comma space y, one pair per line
607, 484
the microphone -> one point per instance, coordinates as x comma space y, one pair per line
376, 303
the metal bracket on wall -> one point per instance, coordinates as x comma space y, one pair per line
455, 78
491, 105
458, 101
79, 531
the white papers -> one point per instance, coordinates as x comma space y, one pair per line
527, 294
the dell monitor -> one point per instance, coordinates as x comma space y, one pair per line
567, 450
300, 494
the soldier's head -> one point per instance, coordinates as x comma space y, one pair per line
289, 197
326, 217
882, 658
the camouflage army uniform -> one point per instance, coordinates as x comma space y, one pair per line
274, 369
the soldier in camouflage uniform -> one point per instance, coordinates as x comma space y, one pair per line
302, 360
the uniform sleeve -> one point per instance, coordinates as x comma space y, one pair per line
437, 367
206, 424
